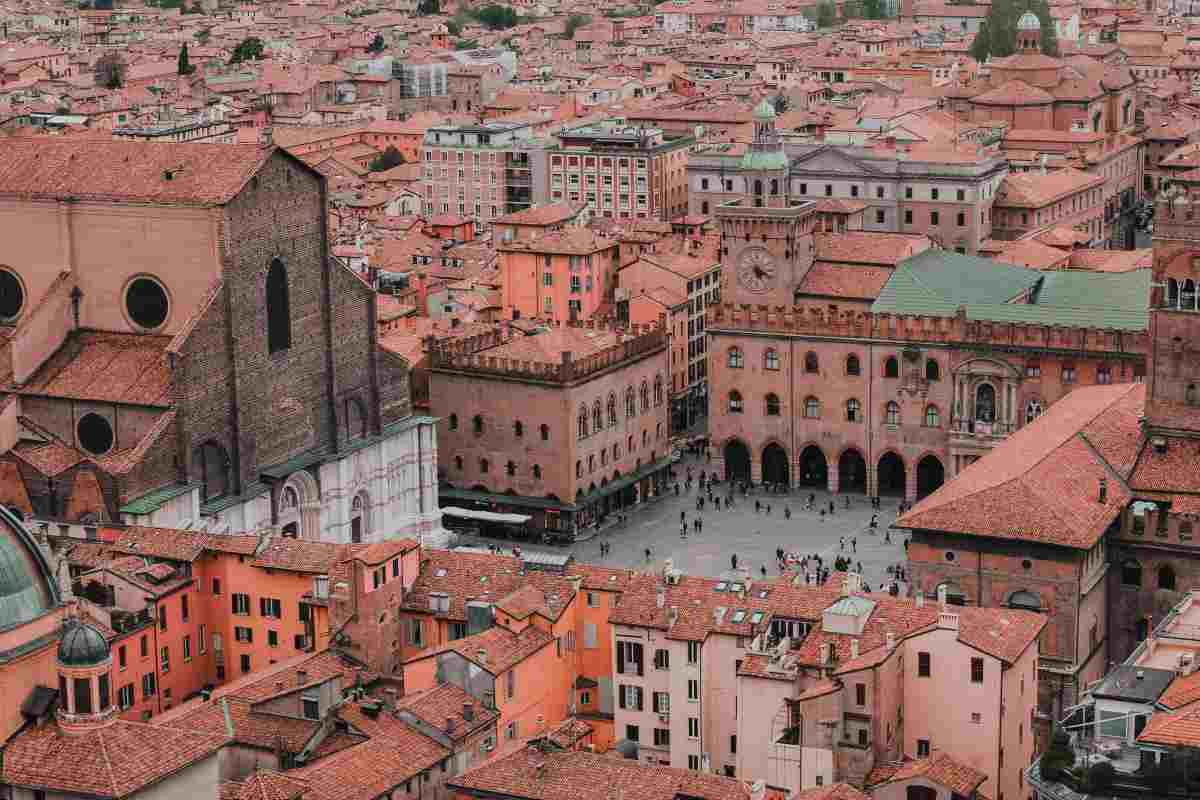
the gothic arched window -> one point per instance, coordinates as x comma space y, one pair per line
279, 314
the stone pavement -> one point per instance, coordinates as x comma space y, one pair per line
752, 537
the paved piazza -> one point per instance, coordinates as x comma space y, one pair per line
752, 537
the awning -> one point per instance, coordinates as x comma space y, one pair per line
627, 480
486, 516
467, 495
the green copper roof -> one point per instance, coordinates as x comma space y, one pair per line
939, 283
764, 110
764, 160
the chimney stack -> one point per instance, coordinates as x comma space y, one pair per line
301, 677
449, 724
854, 648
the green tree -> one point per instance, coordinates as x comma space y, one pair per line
574, 23
427, 7
391, 157
466, 44
496, 17
249, 49
872, 9
1059, 757
202, 35
185, 68
377, 44
454, 27
110, 71
826, 14
997, 35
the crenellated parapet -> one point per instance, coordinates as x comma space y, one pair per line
923, 329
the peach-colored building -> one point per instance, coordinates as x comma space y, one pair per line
564, 275
805, 685
1029, 201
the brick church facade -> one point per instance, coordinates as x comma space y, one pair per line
180, 352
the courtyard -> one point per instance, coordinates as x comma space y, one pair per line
752, 536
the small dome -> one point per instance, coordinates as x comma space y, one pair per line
1029, 22
764, 110
27, 589
82, 646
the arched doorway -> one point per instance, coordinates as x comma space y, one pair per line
814, 471
737, 461
852, 472
930, 476
891, 474
775, 465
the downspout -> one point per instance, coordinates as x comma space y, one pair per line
1000, 738
327, 317
158, 689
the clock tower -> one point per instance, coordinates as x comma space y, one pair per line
766, 237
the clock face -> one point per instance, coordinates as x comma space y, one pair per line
756, 270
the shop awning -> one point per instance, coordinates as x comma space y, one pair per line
469, 496
486, 516
625, 481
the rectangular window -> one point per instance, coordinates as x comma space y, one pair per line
148, 687
922, 748
693, 652
216, 586
908, 193
693, 727
241, 603
629, 655
829, 190
662, 737
311, 705
962, 219
662, 659
162, 617
976, 670
590, 636
662, 703
962, 195
145, 646
879, 192
202, 639
632, 733
693, 762
510, 683
934, 218
860, 694
933, 194
923, 665
733, 744
245, 663
270, 607
592, 600
125, 696
187, 648
854, 191
166, 659
121, 657
879, 216
245, 635
693, 689
417, 634
272, 638
908, 217
183, 607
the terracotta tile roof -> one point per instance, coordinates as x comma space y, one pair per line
266, 731
941, 768
298, 555
847, 282
574, 241
131, 172
550, 214
464, 576
114, 760
495, 649
445, 701
861, 247
107, 367
536, 775
379, 552
1035, 189
267, 784
13, 492
1014, 93
1183, 691
838, 791
521, 603
1033, 254
50, 458
1041, 483
548, 346
1178, 728
570, 732
599, 578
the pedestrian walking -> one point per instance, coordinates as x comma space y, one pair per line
757, 506
764, 570
859, 565
647, 554
683, 516
874, 521
831, 507
787, 513
841, 543
854, 544
733, 561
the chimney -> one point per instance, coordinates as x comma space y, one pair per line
449, 724
661, 597
468, 711
1104, 490
266, 136
301, 677
890, 640
854, 648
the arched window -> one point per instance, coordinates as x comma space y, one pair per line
892, 413
484, 466
1166, 577
735, 358
1025, 600
616, 452
591, 464
771, 359
812, 408
629, 444
630, 403
658, 390
932, 418
597, 417
891, 368
932, 371
772, 405
477, 424
1172, 293
579, 469
985, 402
811, 363
645, 393
358, 519
853, 410
1033, 410
518, 429
1131, 573
735, 402
510, 469
612, 409
583, 422
1187, 295
1103, 374
604, 456
853, 367
279, 313
537, 472
545, 429
453, 422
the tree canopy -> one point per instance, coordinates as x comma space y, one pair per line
429, 7
249, 49
997, 35
391, 157
377, 44
185, 67
496, 17
826, 14
110, 71
574, 22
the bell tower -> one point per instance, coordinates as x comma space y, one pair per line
1173, 393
